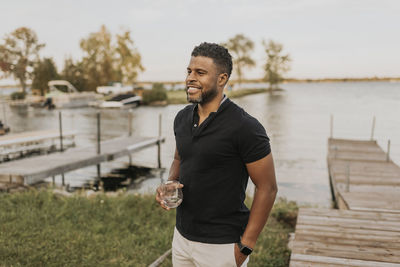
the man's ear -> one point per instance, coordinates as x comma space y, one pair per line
222, 79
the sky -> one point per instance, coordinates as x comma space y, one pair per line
325, 38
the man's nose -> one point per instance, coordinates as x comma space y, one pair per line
190, 77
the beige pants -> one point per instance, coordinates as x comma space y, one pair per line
186, 253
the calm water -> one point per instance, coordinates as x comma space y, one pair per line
297, 121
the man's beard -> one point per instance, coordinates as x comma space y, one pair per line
205, 97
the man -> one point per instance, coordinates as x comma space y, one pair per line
218, 146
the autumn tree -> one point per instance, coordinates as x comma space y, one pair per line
128, 58
18, 55
240, 47
74, 72
44, 71
106, 61
277, 63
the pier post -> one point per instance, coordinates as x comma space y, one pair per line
159, 141
98, 145
130, 123
4, 113
61, 144
331, 126
61, 131
373, 129
388, 151
348, 177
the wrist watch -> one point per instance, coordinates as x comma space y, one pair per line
244, 249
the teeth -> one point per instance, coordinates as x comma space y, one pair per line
192, 90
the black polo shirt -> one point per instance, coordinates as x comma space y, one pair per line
213, 171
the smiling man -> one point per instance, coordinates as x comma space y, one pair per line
218, 147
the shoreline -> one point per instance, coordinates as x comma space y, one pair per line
179, 96
288, 80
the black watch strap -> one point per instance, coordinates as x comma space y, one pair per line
244, 249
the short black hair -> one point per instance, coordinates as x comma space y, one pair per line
218, 53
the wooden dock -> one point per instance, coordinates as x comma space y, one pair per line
362, 176
328, 237
32, 170
15, 146
365, 230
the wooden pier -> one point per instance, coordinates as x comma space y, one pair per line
365, 230
16, 146
32, 170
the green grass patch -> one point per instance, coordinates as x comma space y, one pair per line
42, 229
177, 97
39, 228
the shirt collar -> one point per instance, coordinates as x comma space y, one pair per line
195, 106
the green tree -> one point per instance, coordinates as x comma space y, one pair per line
98, 59
157, 93
18, 55
105, 61
75, 74
128, 58
240, 46
44, 71
277, 63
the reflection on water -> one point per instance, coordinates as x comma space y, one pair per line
296, 120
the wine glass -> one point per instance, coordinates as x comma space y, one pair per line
172, 196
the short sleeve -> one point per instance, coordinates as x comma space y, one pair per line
175, 124
253, 141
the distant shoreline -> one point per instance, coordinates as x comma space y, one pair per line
288, 80
294, 80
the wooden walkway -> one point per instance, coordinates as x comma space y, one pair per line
365, 231
361, 177
32, 170
14, 146
326, 237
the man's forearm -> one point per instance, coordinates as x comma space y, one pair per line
262, 204
174, 170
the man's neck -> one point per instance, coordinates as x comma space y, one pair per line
205, 109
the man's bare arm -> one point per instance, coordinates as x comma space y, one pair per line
173, 175
174, 170
262, 173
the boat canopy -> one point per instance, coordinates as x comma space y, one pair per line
62, 86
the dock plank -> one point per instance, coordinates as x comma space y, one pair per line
30, 137
361, 176
32, 170
346, 238
365, 231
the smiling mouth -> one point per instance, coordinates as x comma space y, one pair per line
192, 90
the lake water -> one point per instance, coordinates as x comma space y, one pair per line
296, 119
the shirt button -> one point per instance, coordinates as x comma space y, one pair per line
195, 125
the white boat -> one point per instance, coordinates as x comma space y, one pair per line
64, 95
116, 88
128, 100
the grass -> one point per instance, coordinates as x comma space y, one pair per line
39, 228
42, 229
179, 96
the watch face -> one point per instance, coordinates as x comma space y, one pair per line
246, 251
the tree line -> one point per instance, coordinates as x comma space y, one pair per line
107, 58
276, 62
